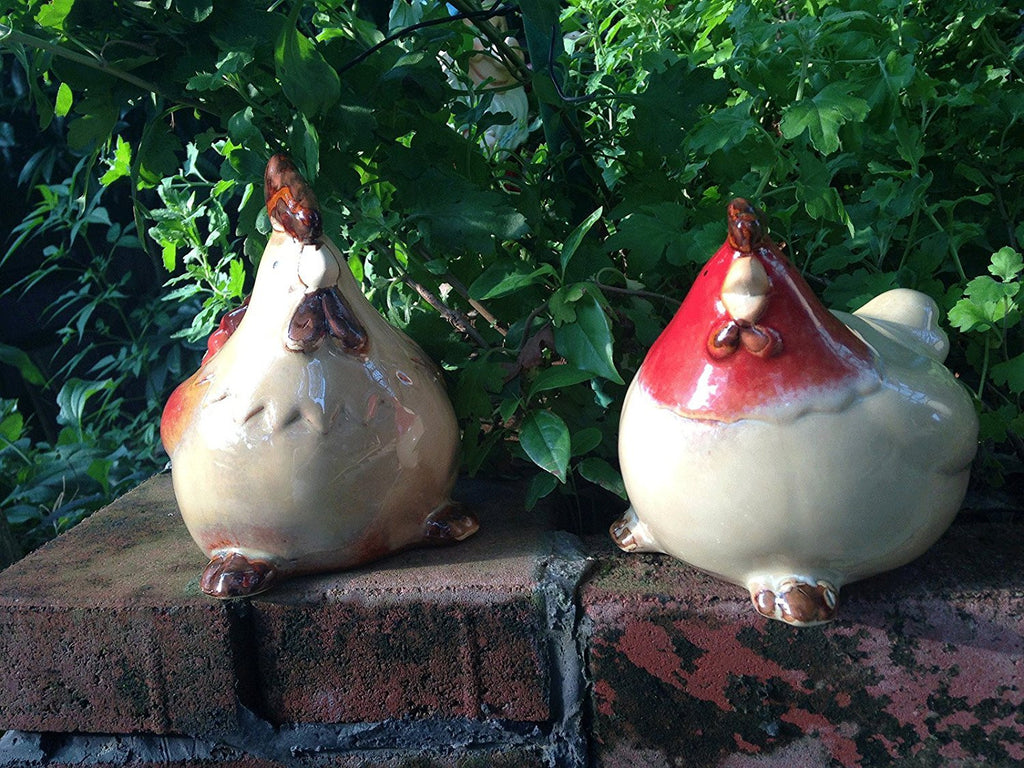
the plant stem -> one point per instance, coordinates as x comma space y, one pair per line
9, 35
481, 310
512, 61
453, 316
461, 289
635, 292
984, 372
952, 249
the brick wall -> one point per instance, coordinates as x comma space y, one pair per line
523, 646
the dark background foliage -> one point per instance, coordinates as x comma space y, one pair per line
882, 138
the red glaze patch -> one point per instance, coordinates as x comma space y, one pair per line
818, 353
184, 399
228, 324
179, 408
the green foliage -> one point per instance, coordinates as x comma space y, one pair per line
103, 439
880, 136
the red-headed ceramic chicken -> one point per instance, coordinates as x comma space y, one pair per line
785, 448
315, 436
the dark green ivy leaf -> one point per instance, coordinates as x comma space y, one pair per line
309, 82
823, 115
97, 118
194, 10
545, 438
455, 214
587, 343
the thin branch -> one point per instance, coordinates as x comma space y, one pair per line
526, 327
494, 37
636, 292
476, 17
9, 35
458, 320
461, 289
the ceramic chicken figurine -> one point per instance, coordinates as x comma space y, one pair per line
315, 436
490, 75
785, 448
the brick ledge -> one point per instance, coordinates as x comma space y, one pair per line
523, 647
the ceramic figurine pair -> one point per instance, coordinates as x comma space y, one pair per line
764, 439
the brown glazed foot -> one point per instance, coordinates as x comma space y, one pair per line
797, 602
449, 524
234, 575
631, 534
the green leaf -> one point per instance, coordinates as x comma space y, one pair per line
121, 165
194, 10
648, 233
852, 290
169, 253
723, 128
1010, 373
1006, 264
601, 473
20, 360
965, 315
158, 153
471, 398
21, 513
814, 189
572, 242
562, 304
586, 440
671, 103
504, 277
558, 377
823, 115
99, 470
991, 297
541, 485
454, 213
232, 63
545, 438
97, 119
243, 130
309, 82
64, 100
73, 397
587, 343
53, 14
12, 425
236, 278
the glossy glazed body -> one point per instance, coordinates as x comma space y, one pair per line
306, 454
843, 453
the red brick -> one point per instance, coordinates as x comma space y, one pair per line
925, 664
453, 632
103, 629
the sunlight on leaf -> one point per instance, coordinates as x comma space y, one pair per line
545, 438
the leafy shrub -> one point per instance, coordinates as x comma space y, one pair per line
112, 366
881, 137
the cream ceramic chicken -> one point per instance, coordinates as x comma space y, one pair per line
315, 436
787, 449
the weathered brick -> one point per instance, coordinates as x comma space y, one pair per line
925, 665
104, 630
453, 632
